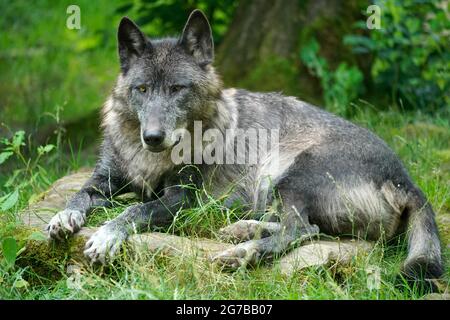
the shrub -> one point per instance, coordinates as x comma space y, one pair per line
411, 52
340, 87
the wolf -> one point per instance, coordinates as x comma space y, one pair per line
331, 176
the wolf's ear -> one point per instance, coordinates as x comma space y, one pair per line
132, 43
197, 38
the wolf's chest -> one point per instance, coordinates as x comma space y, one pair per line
144, 169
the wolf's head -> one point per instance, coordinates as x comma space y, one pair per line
165, 84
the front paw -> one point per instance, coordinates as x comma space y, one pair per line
65, 223
238, 256
103, 244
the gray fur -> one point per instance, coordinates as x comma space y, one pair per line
332, 176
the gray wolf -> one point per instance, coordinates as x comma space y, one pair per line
331, 176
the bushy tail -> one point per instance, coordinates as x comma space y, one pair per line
424, 261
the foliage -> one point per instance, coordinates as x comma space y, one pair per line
30, 172
9, 251
43, 64
168, 17
341, 86
411, 52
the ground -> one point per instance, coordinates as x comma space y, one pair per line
422, 143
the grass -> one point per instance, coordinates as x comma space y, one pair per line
422, 143
30, 86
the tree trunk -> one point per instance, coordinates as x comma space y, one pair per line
261, 49
260, 29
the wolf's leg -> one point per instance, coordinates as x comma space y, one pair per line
294, 226
96, 192
245, 230
158, 213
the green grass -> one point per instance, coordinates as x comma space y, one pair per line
421, 141
46, 64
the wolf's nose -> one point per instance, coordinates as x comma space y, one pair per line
153, 137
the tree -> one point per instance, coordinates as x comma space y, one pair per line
262, 45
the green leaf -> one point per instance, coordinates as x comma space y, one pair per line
18, 139
45, 149
9, 201
5, 155
49, 148
361, 42
9, 248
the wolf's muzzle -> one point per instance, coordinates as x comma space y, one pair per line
153, 138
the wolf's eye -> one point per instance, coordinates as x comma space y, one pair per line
176, 88
142, 88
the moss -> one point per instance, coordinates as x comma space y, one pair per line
42, 259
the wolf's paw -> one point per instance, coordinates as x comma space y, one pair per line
65, 223
238, 256
103, 245
245, 230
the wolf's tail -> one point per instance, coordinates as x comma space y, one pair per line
424, 260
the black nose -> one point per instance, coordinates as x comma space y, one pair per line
153, 137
